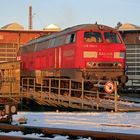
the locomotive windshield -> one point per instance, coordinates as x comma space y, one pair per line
93, 37
96, 37
111, 37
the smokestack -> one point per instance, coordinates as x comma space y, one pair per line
30, 18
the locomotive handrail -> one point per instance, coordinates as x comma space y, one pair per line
99, 84
53, 86
65, 94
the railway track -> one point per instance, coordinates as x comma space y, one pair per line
5, 137
71, 133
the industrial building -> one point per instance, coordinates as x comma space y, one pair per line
131, 36
13, 35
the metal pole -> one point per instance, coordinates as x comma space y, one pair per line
82, 93
97, 105
10, 95
59, 89
30, 18
98, 97
116, 96
50, 87
41, 88
69, 92
34, 84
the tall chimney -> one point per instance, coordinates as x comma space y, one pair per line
30, 18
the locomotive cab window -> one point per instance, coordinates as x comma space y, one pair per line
42, 45
23, 50
93, 37
112, 37
51, 43
59, 41
71, 38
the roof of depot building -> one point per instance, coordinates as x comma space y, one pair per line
13, 26
128, 26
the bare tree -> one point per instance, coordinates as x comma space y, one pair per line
118, 25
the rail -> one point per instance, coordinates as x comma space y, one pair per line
8, 137
69, 132
133, 85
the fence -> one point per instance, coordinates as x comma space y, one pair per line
85, 95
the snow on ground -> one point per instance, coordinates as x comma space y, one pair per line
96, 121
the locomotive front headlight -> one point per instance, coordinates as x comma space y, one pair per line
122, 54
119, 54
90, 64
117, 64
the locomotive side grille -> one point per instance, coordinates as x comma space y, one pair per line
105, 64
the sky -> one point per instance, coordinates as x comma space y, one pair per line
67, 13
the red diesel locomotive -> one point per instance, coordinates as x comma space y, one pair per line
89, 52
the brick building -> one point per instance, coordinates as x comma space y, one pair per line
12, 36
131, 37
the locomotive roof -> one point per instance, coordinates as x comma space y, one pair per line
72, 29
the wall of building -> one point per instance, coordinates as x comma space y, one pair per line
10, 41
132, 41
131, 37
